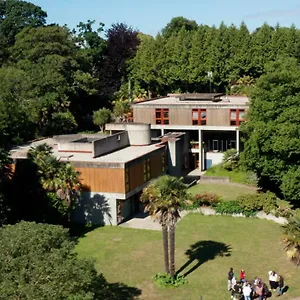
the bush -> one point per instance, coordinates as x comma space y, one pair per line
285, 212
166, 281
257, 202
230, 160
207, 199
199, 200
229, 207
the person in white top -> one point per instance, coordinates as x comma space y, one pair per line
247, 291
273, 278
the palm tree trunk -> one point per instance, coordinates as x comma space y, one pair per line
166, 247
172, 249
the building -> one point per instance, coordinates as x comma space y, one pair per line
114, 169
210, 123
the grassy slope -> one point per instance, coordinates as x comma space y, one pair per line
235, 176
227, 191
133, 256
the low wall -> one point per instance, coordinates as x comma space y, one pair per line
205, 178
110, 143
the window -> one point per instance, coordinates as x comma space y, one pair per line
237, 116
147, 170
127, 186
199, 116
162, 116
163, 162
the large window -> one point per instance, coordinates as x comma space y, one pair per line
162, 116
237, 116
199, 116
147, 170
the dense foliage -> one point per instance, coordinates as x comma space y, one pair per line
272, 131
37, 262
180, 57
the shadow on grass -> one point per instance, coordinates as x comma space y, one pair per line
114, 291
202, 252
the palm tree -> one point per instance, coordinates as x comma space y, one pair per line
55, 176
292, 239
163, 200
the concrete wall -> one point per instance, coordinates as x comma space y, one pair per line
75, 147
110, 143
139, 134
175, 156
216, 158
96, 208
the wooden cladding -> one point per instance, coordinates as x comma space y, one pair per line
147, 169
103, 180
209, 116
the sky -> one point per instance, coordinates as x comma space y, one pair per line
150, 16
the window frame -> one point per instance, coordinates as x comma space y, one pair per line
162, 120
199, 121
238, 120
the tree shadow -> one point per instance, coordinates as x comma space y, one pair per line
114, 291
202, 252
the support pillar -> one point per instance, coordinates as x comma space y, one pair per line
237, 140
200, 150
162, 132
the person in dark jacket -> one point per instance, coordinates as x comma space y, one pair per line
280, 285
230, 277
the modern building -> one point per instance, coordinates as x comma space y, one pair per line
210, 123
113, 169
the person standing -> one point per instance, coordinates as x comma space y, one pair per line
230, 277
280, 285
242, 276
247, 291
259, 290
273, 280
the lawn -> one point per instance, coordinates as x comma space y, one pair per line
227, 191
238, 176
133, 256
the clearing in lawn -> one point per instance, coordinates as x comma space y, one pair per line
206, 247
228, 191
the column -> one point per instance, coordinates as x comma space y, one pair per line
237, 140
162, 132
200, 150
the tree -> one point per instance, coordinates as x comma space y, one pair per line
122, 44
121, 110
272, 135
292, 239
101, 117
57, 73
163, 200
15, 15
37, 261
177, 24
59, 179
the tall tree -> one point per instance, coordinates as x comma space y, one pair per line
15, 15
177, 24
58, 74
122, 43
164, 199
272, 133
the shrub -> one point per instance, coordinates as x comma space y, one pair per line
230, 160
207, 199
166, 281
257, 202
229, 207
285, 212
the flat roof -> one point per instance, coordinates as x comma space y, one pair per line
175, 100
119, 156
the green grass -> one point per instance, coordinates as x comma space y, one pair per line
235, 176
226, 191
134, 256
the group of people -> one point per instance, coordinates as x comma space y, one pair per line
242, 288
